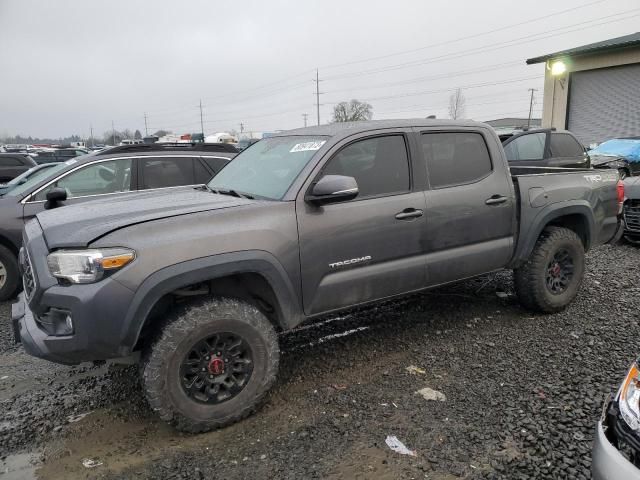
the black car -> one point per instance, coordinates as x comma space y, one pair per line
545, 148
60, 155
14, 164
620, 153
116, 172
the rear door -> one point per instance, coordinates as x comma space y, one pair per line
370, 247
470, 205
565, 151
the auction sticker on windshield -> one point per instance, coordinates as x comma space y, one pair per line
305, 147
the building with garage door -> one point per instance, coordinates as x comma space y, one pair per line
594, 90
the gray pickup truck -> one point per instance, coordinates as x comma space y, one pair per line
198, 282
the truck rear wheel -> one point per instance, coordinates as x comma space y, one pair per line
551, 277
9, 275
211, 365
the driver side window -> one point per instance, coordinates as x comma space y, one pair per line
98, 179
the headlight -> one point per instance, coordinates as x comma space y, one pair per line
629, 398
88, 266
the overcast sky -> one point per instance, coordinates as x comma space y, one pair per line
69, 64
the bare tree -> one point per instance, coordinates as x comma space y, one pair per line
352, 111
456, 104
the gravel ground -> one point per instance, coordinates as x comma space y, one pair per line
523, 394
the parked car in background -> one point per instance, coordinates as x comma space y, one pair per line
60, 154
304, 223
118, 171
31, 174
545, 148
631, 210
616, 448
246, 142
14, 164
622, 154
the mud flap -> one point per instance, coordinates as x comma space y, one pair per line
619, 232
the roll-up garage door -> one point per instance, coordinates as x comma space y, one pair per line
605, 103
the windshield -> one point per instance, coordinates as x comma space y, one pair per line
628, 148
34, 178
269, 167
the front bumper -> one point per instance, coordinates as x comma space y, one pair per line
608, 461
98, 311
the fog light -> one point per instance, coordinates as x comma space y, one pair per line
69, 324
56, 322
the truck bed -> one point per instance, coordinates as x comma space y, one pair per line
546, 192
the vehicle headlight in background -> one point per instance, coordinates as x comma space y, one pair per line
629, 398
88, 266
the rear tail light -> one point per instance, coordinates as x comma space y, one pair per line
620, 192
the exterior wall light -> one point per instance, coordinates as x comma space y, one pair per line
558, 68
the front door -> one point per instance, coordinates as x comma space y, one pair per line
370, 247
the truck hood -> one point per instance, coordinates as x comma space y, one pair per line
632, 187
79, 225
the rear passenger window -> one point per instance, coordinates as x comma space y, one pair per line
526, 147
563, 145
166, 172
380, 165
455, 158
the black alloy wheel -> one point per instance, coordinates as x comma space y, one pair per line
559, 272
216, 368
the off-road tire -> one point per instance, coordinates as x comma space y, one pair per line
161, 363
529, 279
12, 280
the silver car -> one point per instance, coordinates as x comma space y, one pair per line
616, 449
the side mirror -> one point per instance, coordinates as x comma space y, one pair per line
54, 196
333, 188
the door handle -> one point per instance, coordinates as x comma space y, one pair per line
409, 213
495, 200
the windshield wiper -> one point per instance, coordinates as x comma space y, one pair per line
232, 193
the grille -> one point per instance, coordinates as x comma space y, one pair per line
28, 281
632, 215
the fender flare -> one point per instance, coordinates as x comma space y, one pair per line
545, 217
202, 269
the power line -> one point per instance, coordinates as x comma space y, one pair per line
494, 46
468, 37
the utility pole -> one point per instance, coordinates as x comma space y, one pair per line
318, 92
146, 129
113, 134
201, 121
305, 115
241, 128
531, 106
91, 130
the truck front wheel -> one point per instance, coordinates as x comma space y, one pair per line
551, 277
211, 365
